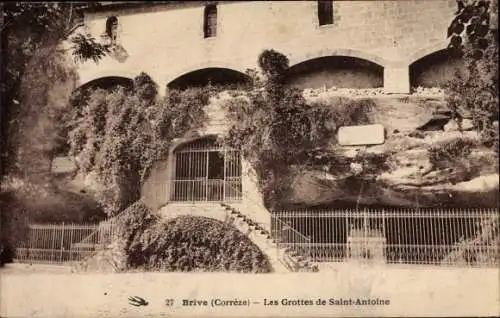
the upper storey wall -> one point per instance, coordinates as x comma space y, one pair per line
167, 41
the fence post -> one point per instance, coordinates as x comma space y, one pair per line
71, 243
52, 256
62, 242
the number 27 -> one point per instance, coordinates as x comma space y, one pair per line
169, 302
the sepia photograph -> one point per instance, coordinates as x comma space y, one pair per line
331, 158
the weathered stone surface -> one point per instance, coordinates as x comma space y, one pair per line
467, 124
452, 125
63, 165
470, 180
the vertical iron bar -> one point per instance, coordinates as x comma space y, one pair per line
207, 155
71, 243
62, 242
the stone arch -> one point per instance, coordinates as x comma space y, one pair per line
434, 69
106, 82
421, 53
84, 80
209, 75
82, 92
371, 57
336, 71
189, 140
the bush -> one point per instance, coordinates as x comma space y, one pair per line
190, 243
144, 242
449, 151
479, 250
133, 222
342, 111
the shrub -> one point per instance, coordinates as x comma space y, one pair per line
190, 243
452, 150
342, 111
186, 243
479, 250
132, 223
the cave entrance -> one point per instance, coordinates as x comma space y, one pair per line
206, 171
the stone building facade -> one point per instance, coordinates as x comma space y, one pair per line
379, 43
391, 45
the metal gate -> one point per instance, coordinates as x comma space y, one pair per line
365, 237
206, 171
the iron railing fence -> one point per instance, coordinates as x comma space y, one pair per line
290, 239
467, 237
62, 243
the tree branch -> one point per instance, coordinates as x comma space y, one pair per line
73, 29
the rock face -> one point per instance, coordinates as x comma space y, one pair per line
446, 166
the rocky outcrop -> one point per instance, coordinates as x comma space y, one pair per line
414, 167
408, 176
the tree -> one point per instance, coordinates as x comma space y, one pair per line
473, 92
35, 39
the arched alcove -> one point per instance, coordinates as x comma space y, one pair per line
336, 71
204, 170
80, 94
435, 69
206, 76
108, 82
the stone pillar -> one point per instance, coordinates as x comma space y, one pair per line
397, 79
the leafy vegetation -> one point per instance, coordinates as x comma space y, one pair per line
36, 38
37, 78
122, 133
474, 90
276, 128
455, 149
186, 243
189, 243
479, 250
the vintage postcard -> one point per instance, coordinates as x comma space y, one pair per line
249, 159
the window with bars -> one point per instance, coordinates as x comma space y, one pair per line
325, 12
210, 21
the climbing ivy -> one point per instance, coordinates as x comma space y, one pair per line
120, 134
277, 129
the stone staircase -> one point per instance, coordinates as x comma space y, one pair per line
261, 236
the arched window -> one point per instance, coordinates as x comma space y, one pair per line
204, 170
112, 28
210, 21
325, 12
